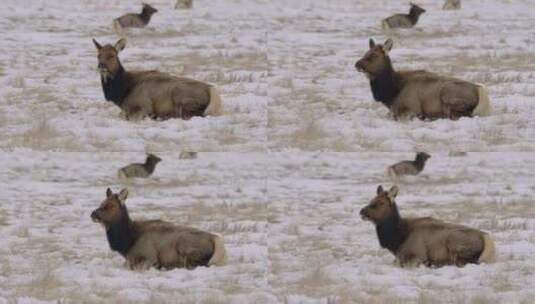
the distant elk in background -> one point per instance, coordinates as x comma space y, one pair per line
420, 93
139, 170
184, 4
155, 243
187, 155
409, 167
151, 93
133, 20
452, 5
425, 240
403, 20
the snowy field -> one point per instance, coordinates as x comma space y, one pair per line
320, 251
51, 96
267, 176
290, 223
285, 69
320, 102
51, 250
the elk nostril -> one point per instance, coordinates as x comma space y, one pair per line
94, 215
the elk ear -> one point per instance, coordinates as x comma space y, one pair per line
97, 45
120, 44
372, 43
379, 190
387, 46
392, 193
123, 195
109, 193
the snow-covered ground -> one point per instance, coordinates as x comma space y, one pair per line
320, 251
289, 213
50, 92
51, 250
290, 222
319, 100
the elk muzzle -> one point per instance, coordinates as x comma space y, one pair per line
359, 66
95, 216
364, 214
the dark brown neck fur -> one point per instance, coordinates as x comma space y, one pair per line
419, 162
122, 234
392, 231
386, 85
150, 165
117, 87
145, 15
414, 15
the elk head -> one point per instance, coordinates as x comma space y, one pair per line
376, 59
382, 206
108, 60
112, 209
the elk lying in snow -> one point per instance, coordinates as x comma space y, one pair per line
152, 93
183, 4
187, 155
140, 170
134, 20
409, 167
155, 243
425, 240
420, 93
452, 5
403, 20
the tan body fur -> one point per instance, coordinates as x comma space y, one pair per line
409, 167
403, 20
187, 155
151, 93
160, 95
403, 168
396, 21
452, 5
130, 20
134, 20
435, 243
140, 170
427, 241
165, 245
134, 170
420, 94
155, 243
183, 4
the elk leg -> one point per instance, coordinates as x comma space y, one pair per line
408, 259
135, 113
138, 263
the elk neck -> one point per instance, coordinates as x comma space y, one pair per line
150, 165
392, 231
116, 87
414, 15
122, 233
419, 162
384, 85
145, 15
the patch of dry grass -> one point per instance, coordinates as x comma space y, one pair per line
309, 134
227, 136
222, 78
